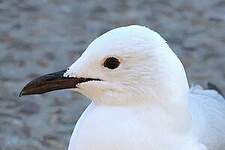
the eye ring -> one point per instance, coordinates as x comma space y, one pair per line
111, 63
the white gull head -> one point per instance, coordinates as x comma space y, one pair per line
140, 99
147, 69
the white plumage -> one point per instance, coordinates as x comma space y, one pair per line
145, 103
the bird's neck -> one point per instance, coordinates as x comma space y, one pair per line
174, 105
172, 118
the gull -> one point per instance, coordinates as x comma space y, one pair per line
140, 96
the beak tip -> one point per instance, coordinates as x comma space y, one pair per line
21, 94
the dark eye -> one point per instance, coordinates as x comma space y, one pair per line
111, 63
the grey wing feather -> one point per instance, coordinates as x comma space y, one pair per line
208, 114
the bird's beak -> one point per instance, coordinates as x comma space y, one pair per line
52, 82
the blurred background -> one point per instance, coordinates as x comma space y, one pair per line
42, 36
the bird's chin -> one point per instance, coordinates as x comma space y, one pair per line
90, 85
102, 92
92, 89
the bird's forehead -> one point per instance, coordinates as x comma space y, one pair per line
125, 40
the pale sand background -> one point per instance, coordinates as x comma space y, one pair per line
42, 36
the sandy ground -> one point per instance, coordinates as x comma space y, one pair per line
42, 36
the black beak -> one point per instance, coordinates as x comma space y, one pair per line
52, 82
